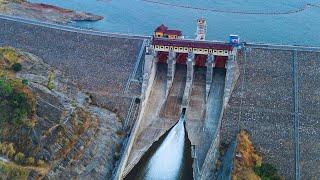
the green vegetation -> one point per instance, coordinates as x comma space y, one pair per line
267, 172
10, 55
248, 165
17, 105
25, 82
30, 161
16, 67
19, 158
12, 171
50, 84
81, 121
7, 149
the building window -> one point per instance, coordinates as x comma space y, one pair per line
186, 49
157, 46
220, 51
171, 48
167, 47
175, 48
210, 50
181, 48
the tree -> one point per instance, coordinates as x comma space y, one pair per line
19, 158
25, 82
30, 161
10, 151
40, 163
267, 172
16, 67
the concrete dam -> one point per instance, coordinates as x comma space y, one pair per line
195, 84
271, 91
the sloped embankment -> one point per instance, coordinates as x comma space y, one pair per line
49, 127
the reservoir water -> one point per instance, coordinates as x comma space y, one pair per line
167, 159
273, 21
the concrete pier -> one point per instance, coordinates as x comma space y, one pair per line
202, 120
209, 65
189, 81
171, 70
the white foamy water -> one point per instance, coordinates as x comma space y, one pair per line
167, 160
4, 159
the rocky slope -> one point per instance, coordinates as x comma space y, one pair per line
71, 136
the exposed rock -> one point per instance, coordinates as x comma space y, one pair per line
45, 12
73, 136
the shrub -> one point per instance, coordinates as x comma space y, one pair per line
40, 162
25, 82
50, 84
137, 100
10, 55
9, 150
267, 172
11, 171
30, 161
120, 133
5, 88
16, 102
16, 67
19, 158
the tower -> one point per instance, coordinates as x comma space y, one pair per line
201, 29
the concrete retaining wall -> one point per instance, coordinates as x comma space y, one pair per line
209, 164
148, 79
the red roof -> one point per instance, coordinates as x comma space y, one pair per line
191, 43
162, 28
173, 32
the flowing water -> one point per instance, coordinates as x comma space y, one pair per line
3, 159
168, 159
254, 20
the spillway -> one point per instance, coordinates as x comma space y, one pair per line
169, 158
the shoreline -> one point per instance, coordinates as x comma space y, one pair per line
45, 12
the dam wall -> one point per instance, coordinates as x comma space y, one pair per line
276, 99
149, 72
100, 65
231, 77
272, 91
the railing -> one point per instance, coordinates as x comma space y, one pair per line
282, 46
138, 61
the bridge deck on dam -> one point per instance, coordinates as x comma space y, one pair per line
276, 99
99, 64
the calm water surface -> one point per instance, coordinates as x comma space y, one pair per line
140, 17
